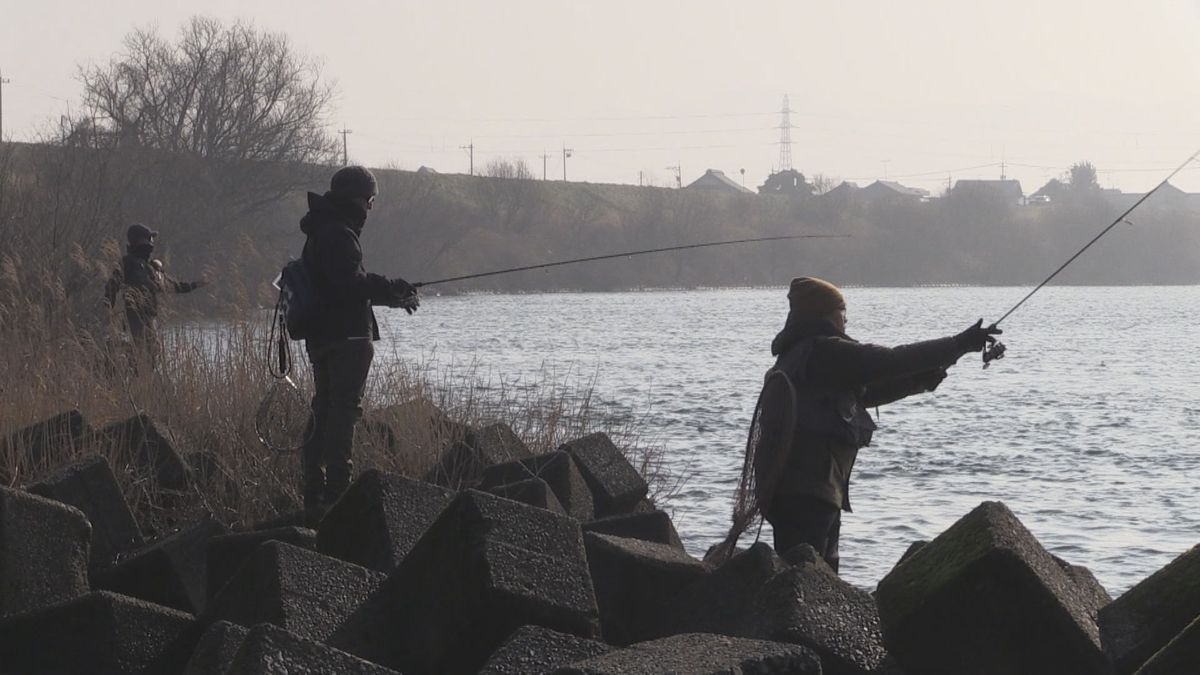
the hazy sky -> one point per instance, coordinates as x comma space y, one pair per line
918, 90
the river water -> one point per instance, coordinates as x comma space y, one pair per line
1089, 429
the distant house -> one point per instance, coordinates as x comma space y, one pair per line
1007, 190
717, 181
426, 171
886, 190
786, 182
845, 191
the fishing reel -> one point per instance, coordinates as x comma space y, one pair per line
993, 352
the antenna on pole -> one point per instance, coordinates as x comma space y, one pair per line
470, 148
678, 175
785, 136
345, 147
566, 152
2, 83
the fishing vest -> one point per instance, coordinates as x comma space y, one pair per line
142, 284
837, 414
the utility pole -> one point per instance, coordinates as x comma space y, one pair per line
566, 153
544, 156
470, 148
639, 178
345, 147
743, 177
678, 175
2, 83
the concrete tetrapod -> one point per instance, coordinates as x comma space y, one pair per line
560, 473
1147, 616
534, 650
701, 654
270, 650
43, 552
616, 486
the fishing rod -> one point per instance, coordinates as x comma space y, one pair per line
996, 349
628, 254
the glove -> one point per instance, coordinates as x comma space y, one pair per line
404, 295
975, 338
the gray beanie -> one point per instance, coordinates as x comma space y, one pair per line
354, 181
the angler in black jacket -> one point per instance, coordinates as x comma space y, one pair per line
340, 346
139, 280
836, 379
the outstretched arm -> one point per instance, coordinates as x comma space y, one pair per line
890, 391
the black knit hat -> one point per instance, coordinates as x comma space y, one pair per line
139, 232
354, 181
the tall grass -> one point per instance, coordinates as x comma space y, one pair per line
206, 395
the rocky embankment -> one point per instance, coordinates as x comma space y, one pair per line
546, 564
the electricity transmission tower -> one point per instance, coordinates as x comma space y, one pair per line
785, 136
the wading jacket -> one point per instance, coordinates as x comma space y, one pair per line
333, 257
140, 283
836, 380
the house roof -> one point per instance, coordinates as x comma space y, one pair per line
715, 179
1010, 188
899, 189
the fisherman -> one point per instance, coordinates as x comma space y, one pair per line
835, 380
140, 280
340, 344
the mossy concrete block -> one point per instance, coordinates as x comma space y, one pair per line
271, 650
616, 486
1090, 588
465, 461
487, 567
532, 491
91, 487
226, 553
99, 633
560, 473
151, 446
379, 519
808, 604
1150, 614
534, 650
720, 601
1180, 655
216, 649
655, 526
634, 579
43, 552
47, 441
912, 550
172, 571
985, 597
701, 654
303, 591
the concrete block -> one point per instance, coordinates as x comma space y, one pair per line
217, 647
633, 580
720, 601
700, 654
1093, 592
534, 650
807, 604
416, 428
463, 464
91, 487
99, 633
48, 441
532, 491
303, 591
213, 475
172, 571
43, 552
616, 486
226, 553
1180, 655
655, 526
1147, 616
271, 650
560, 473
985, 597
379, 519
151, 446
486, 567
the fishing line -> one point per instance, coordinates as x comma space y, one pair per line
628, 254
996, 349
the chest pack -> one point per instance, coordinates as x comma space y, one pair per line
837, 414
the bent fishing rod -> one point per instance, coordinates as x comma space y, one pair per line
996, 349
628, 254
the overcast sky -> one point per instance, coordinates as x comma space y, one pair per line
918, 91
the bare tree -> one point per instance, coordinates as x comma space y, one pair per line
508, 168
823, 183
220, 92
